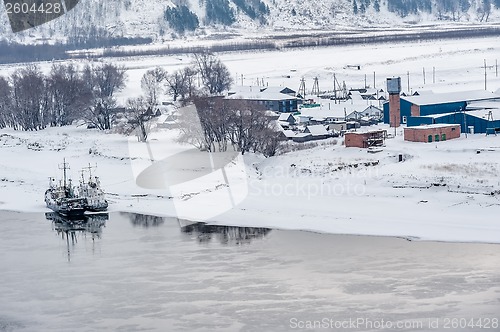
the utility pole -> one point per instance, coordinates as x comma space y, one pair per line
365, 81
485, 76
334, 89
408, 74
374, 80
302, 89
465, 122
315, 90
423, 71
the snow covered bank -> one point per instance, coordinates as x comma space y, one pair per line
443, 191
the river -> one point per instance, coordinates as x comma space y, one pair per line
129, 272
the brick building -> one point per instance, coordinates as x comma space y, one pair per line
366, 139
432, 133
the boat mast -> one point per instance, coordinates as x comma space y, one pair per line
65, 166
90, 171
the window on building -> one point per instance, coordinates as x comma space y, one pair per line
436, 138
429, 139
443, 137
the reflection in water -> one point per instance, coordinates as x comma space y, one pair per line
70, 228
204, 233
144, 220
230, 235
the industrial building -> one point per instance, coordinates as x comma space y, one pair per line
432, 133
474, 111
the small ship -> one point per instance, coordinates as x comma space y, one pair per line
70, 201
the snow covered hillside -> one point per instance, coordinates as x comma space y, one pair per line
146, 18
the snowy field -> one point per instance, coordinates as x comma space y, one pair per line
445, 192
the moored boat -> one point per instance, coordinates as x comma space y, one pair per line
61, 197
92, 192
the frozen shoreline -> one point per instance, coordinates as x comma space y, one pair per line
442, 192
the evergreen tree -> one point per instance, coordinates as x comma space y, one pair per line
464, 5
362, 8
376, 6
181, 19
486, 10
219, 12
355, 7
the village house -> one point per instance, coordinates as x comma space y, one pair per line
276, 99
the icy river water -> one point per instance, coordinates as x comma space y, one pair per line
128, 272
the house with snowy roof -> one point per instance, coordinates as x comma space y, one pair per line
278, 99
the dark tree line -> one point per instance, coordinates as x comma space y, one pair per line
219, 12
181, 19
255, 9
32, 100
444, 9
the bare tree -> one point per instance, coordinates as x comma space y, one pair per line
189, 90
243, 124
151, 84
175, 84
214, 74
251, 129
5, 104
214, 119
180, 84
29, 101
190, 127
138, 113
68, 94
104, 81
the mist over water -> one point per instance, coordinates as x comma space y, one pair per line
132, 272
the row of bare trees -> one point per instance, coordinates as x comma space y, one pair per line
32, 100
217, 124
184, 84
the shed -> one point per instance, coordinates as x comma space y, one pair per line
288, 134
432, 133
287, 117
338, 126
317, 131
366, 139
302, 137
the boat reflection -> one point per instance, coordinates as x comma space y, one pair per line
227, 235
71, 228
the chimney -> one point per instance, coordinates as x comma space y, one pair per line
394, 89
